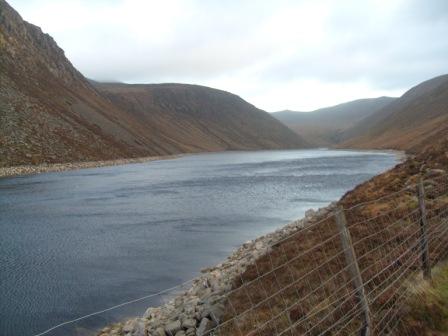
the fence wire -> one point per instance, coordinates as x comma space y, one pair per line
304, 284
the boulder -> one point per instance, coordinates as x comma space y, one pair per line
129, 326
173, 327
151, 312
214, 311
310, 213
204, 327
139, 329
190, 332
160, 332
189, 323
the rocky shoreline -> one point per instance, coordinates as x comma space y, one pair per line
199, 309
59, 167
196, 311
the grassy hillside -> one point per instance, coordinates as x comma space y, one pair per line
50, 113
415, 120
198, 118
325, 127
411, 122
427, 311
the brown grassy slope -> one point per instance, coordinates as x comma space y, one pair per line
416, 119
50, 113
379, 223
199, 118
325, 126
427, 306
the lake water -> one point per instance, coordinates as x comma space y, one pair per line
80, 241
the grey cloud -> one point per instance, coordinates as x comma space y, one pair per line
409, 47
389, 45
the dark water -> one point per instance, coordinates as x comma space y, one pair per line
80, 241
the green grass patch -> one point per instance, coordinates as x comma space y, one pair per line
428, 306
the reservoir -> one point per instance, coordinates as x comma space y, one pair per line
77, 242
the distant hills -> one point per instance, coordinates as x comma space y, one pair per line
50, 112
416, 119
326, 126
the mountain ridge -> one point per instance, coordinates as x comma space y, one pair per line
192, 109
51, 113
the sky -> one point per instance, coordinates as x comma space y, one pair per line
297, 55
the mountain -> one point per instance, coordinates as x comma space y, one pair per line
325, 126
49, 112
411, 122
197, 118
416, 119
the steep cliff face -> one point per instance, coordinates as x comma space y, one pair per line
50, 113
28, 52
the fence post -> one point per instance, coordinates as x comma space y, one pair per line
426, 265
355, 273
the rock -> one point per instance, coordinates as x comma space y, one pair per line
150, 312
115, 331
189, 323
134, 328
203, 302
434, 172
139, 329
129, 326
191, 332
203, 291
204, 326
310, 213
160, 332
178, 301
173, 327
190, 305
213, 310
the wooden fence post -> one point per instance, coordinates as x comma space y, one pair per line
355, 273
426, 265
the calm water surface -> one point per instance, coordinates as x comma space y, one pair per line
79, 241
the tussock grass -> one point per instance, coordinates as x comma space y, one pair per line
428, 306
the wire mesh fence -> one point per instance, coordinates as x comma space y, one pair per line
307, 285
348, 272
